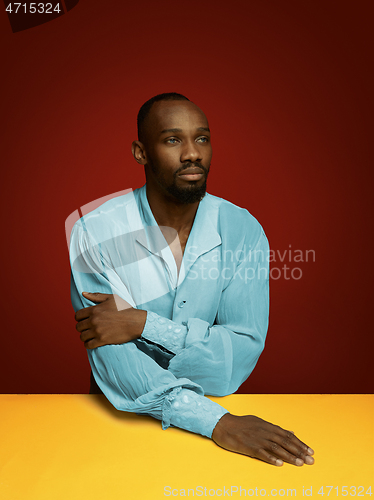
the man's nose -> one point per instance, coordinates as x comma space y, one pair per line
191, 152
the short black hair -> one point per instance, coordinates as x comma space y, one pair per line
146, 108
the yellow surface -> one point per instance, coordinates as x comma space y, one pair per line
78, 447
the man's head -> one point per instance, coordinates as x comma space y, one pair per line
146, 108
174, 147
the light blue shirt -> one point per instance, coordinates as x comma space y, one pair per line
206, 324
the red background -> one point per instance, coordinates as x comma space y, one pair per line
288, 93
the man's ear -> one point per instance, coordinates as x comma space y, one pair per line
138, 151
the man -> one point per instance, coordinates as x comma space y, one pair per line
181, 290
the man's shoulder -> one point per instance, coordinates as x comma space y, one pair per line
118, 213
232, 218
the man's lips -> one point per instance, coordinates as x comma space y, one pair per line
191, 174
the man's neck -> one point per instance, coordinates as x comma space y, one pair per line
171, 213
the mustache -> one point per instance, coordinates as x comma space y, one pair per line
192, 164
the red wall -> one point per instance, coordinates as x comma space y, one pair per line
286, 87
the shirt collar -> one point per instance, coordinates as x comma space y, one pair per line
203, 236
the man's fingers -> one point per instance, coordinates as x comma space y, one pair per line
83, 324
257, 438
96, 297
288, 436
296, 441
93, 297
83, 313
269, 458
91, 344
290, 449
86, 335
285, 455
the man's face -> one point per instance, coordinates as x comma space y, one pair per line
178, 150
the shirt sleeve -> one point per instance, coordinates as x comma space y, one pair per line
221, 357
130, 379
165, 332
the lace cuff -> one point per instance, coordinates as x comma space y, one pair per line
185, 409
164, 332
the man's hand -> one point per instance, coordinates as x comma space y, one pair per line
257, 438
111, 321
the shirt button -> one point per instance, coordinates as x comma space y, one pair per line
181, 304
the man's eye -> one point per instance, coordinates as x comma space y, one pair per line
172, 140
202, 139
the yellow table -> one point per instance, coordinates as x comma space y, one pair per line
67, 447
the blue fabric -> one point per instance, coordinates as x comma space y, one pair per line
206, 324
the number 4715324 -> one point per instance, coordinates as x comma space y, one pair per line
41, 8
345, 491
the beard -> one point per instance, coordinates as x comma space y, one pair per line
191, 193
188, 194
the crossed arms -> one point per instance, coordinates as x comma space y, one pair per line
213, 359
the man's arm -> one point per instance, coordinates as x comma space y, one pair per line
136, 383
222, 356
218, 357
183, 408
131, 380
